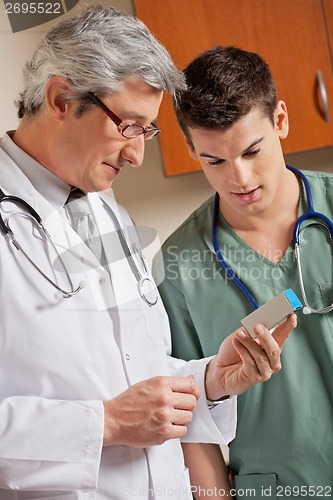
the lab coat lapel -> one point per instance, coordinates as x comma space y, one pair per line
123, 280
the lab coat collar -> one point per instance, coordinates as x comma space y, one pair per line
51, 187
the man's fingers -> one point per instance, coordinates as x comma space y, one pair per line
181, 417
265, 352
151, 411
282, 332
257, 359
270, 344
186, 385
185, 401
257, 365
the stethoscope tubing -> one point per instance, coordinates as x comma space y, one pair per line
18, 201
311, 213
141, 280
219, 255
146, 286
31, 214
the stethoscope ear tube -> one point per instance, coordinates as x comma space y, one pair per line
22, 203
18, 201
62, 294
37, 221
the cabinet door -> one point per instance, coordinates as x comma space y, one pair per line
292, 37
328, 14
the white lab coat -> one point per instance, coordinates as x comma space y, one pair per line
60, 359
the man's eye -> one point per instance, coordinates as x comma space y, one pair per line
214, 163
252, 153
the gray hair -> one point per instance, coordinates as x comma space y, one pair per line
97, 51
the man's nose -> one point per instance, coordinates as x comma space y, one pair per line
241, 173
133, 151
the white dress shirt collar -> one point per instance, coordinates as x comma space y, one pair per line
51, 187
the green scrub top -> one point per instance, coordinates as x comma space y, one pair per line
284, 442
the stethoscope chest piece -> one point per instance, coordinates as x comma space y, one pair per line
148, 291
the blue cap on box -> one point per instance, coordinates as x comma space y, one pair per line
293, 299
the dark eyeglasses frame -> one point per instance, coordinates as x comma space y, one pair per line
133, 130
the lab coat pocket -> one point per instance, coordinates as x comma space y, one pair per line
259, 486
156, 323
79, 495
185, 492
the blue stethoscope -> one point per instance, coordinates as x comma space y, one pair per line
310, 214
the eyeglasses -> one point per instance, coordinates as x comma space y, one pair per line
129, 131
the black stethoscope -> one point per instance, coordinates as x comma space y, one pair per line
31, 214
310, 214
146, 287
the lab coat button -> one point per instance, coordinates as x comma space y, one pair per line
128, 357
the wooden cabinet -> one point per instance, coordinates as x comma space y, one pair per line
328, 15
294, 36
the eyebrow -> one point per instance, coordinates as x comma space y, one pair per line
129, 115
254, 143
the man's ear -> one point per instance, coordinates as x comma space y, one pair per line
190, 148
281, 122
55, 92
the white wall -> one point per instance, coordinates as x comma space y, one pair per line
152, 199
